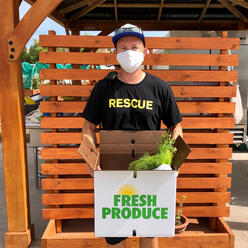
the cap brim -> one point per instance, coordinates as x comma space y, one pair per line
121, 35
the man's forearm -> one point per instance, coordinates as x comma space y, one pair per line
89, 129
176, 131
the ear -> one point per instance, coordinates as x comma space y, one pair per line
145, 51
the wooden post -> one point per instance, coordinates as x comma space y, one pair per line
58, 223
213, 220
13, 135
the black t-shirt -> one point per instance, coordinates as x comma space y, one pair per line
120, 106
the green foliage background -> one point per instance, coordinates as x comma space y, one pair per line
32, 55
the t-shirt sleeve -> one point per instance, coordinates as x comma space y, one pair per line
92, 111
170, 111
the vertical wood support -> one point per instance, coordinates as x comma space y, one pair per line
213, 221
20, 230
58, 223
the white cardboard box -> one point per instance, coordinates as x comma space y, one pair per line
122, 201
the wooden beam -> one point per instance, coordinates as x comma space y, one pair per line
165, 5
27, 26
204, 10
232, 9
240, 3
101, 24
160, 10
116, 13
86, 10
75, 6
19, 230
55, 15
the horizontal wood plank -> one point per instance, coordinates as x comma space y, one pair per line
81, 213
150, 59
88, 198
207, 122
188, 239
185, 107
190, 138
182, 183
66, 183
151, 42
206, 168
68, 213
64, 169
203, 183
178, 91
68, 198
186, 168
188, 122
196, 153
208, 211
167, 75
206, 107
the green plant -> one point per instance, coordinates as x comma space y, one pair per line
36, 83
31, 55
164, 155
180, 210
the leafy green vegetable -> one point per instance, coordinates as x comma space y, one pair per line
164, 155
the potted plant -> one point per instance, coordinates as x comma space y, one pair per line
181, 220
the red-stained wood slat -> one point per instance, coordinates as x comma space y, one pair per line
186, 168
167, 75
197, 153
188, 122
151, 42
190, 138
178, 91
185, 107
150, 59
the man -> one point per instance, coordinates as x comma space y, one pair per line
131, 100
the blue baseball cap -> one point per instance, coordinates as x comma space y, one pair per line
128, 30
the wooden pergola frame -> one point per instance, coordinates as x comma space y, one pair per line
13, 38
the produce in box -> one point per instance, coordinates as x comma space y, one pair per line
164, 155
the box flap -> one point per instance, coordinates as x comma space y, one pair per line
89, 152
119, 148
183, 150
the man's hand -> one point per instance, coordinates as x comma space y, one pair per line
91, 171
176, 131
89, 131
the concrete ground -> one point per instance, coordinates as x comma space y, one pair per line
238, 221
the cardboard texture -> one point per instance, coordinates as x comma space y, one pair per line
89, 152
120, 209
119, 148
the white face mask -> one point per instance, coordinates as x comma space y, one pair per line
130, 60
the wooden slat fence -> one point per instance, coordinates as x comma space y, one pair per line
203, 97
